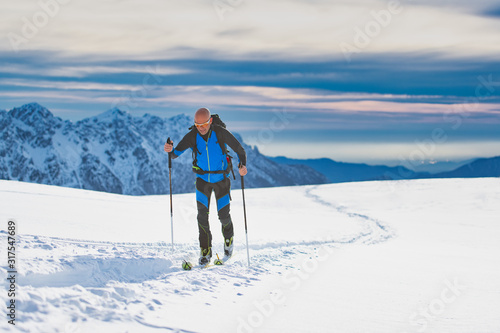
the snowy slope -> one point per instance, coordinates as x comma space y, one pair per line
399, 256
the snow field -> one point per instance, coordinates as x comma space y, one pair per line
399, 256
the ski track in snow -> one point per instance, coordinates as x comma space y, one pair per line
133, 282
97, 262
111, 281
375, 230
124, 282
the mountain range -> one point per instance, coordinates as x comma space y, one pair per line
481, 167
340, 172
119, 153
116, 152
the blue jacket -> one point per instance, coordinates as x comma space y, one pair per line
208, 154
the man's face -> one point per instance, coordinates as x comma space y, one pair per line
202, 124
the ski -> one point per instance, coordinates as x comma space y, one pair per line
218, 262
187, 265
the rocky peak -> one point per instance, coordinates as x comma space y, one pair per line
114, 152
32, 114
112, 115
182, 120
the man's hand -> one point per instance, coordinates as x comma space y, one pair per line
169, 147
243, 170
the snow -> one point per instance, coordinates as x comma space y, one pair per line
392, 256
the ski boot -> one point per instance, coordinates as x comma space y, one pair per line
205, 256
228, 247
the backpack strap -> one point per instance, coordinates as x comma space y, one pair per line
195, 150
223, 147
220, 141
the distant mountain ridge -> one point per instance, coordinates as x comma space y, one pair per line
339, 172
116, 152
482, 167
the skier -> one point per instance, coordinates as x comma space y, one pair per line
212, 166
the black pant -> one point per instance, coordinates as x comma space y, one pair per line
203, 194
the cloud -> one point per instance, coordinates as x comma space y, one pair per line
429, 59
382, 152
295, 30
423, 84
85, 70
492, 12
421, 77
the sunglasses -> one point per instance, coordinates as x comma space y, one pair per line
204, 124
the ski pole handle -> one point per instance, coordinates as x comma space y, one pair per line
169, 154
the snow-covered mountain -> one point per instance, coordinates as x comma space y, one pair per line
115, 152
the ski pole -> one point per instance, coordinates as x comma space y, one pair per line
245, 216
171, 206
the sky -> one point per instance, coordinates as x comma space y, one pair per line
381, 82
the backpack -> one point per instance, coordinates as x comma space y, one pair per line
217, 122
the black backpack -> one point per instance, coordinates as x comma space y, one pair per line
217, 121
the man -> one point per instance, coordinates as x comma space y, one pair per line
211, 164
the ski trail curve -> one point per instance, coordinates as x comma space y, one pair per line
375, 231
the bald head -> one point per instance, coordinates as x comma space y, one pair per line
202, 115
